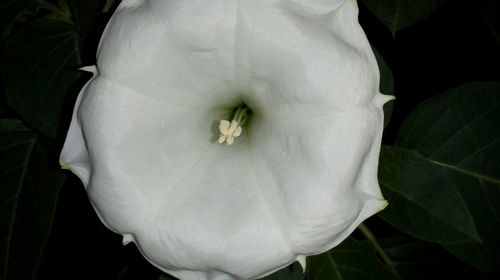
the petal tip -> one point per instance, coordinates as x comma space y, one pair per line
375, 205
91, 68
381, 99
127, 238
302, 261
384, 203
65, 166
62, 164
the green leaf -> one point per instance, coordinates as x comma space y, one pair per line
12, 11
29, 189
458, 129
423, 199
85, 13
416, 260
291, 272
350, 260
40, 65
458, 132
398, 14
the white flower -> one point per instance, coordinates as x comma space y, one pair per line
291, 84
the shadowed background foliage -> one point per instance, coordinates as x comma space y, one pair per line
438, 167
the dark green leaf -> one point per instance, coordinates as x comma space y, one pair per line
28, 195
291, 272
398, 14
11, 11
349, 260
40, 65
459, 132
85, 13
416, 260
423, 199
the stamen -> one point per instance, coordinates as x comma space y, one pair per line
230, 130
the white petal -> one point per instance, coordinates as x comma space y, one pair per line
302, 262
219, 217
132, 140
144, 133
155, 47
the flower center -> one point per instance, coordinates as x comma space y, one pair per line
229, 130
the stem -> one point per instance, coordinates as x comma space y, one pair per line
383, 255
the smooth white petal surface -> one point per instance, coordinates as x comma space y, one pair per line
299, 179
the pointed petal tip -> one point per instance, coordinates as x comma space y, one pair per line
375, 204
64, 165
385, 203
381, 99
379, 205
302, 261
91, 68
127, 238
